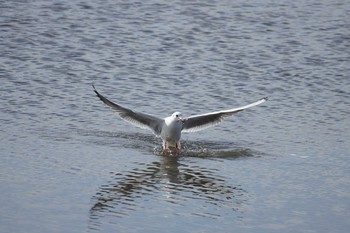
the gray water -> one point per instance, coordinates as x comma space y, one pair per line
69, 164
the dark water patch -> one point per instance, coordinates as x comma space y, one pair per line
216, 149
137, 141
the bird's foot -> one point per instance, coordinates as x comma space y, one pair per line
175, 151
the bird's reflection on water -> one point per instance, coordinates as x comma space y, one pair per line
167, 182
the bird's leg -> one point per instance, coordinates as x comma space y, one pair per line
165, 148
176, 148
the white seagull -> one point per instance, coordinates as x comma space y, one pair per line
170, 128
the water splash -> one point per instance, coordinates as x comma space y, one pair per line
200, 149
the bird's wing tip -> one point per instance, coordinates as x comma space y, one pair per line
93, 86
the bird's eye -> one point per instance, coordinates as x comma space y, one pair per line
177, 115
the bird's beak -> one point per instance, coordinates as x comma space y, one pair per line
182, 120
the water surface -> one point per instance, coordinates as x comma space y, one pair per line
69, 164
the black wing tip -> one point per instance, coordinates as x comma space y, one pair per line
93, 86
266, 98
101, 97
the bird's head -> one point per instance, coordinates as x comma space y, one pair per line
178, 116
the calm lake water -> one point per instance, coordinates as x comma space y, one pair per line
69, 164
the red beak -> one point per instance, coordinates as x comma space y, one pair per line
182, 120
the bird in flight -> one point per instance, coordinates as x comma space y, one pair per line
170, 128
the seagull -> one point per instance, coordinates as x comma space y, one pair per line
169, 128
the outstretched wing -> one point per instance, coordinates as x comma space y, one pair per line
204, 121
138, 119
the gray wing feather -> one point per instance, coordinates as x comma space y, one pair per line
204, 121
138, 119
